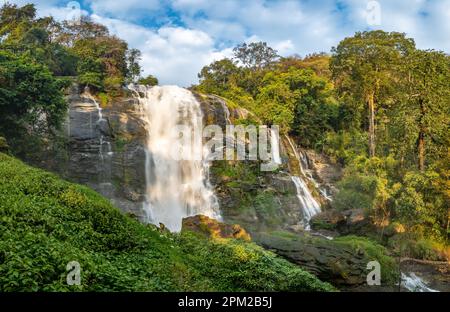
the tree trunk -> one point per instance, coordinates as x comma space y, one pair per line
421, 139
371, 107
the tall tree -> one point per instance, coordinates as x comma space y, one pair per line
428, 99
134, 69
31, 99
256, 55
215, 78
364, 68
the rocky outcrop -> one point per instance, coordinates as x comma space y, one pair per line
342, 262
213, 228
258, 200
104, 153
322, 170
352, 221
107, 153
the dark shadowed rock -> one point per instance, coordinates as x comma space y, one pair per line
353, 221
341, 262
328, 220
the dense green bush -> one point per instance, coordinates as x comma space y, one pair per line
47, 222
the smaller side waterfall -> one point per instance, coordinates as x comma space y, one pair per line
308, 173
105, 151
310, 207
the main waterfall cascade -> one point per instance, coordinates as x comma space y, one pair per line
175, 188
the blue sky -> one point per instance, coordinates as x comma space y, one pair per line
178, 37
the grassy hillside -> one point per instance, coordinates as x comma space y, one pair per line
47, 222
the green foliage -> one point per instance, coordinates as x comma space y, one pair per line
84, 49
255, 55
365, 70
133, 68
366, 185
344, 146
31, 100
421, 203
216, 77
149, 81
3, 145
47, 222
104, 98
414, 245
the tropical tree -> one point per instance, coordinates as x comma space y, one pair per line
428, 100
256, 55
31, 99
365, 67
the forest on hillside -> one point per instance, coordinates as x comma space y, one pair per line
376, 104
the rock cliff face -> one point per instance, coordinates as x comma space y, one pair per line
257, 200
106, 152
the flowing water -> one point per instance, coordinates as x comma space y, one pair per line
308, 204
310, 207
105, 151
175, 188
414, 283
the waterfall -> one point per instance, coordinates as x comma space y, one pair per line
308, 173
175, 188
310, 207
104, 145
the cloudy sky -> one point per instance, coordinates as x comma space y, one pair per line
178, 37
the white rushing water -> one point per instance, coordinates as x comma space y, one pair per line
308, 204
414, 283
175, 188
310, 207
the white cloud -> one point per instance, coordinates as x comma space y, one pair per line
173, 54
127, 10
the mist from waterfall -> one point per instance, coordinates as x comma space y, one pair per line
175, 188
